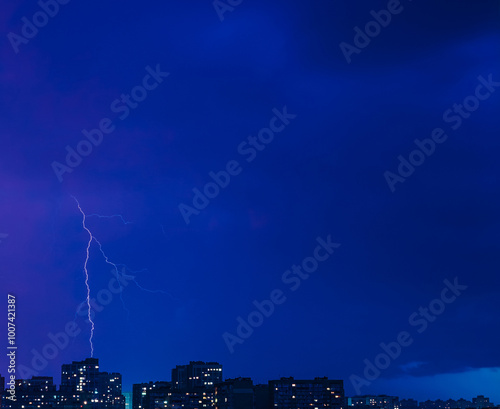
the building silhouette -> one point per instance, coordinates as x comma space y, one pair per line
261, 393
192, 387
481, 402
37, 392
84, 386
196, 375
376, 401
408, 404
288, 393
151, 395
235, 394
199, 385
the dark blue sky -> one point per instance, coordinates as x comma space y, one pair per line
323, 174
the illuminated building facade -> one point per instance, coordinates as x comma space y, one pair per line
288, 393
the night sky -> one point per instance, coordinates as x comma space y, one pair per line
321, 175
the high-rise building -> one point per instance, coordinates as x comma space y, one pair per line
261, 393
481, 402
288, 393
37, 392
150, 395
79, 382
235, 394
83, 384
161, 395
110, 390
196, 375
199, 399
128, 400
463, 403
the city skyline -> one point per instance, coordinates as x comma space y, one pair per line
291, 188
212, 364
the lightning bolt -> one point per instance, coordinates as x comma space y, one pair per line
109, 217
125, 268
106, 259
115, 269
89, 308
